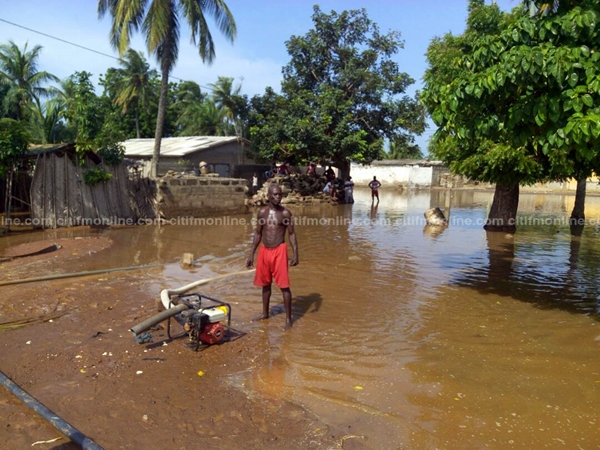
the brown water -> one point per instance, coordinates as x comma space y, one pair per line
410, 338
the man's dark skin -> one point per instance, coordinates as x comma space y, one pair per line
273, 221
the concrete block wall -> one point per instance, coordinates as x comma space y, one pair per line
191, 196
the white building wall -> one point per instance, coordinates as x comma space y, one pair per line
420, 176
405, 176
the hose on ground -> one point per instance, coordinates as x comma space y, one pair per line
65, 428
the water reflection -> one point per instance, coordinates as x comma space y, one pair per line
433, 231
548, 273
410, 337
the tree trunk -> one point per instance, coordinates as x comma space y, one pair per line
160, 121
578, 214
8, 197
503, 213
137, 123
344, 166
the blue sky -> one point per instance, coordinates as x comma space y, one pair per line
258, 54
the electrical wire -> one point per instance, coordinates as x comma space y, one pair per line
82, 47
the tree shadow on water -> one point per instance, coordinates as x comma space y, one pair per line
531, 281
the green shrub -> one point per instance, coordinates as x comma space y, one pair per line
112, 154
95, 175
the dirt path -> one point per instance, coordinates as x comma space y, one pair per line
85, 366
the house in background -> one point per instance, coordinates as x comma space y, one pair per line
222, 153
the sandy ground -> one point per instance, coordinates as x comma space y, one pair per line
79, 360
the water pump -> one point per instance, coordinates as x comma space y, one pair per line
206, 320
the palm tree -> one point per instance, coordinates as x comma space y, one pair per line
47, 124
204, 119
186, 94
133, 87
224, 95
24, 83
402, 149
160, 23
63, 96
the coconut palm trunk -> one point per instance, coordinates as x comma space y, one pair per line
160, 122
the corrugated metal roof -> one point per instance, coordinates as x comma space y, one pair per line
176, 146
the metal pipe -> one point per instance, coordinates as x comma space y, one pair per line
150, 322
78, 274
65, 428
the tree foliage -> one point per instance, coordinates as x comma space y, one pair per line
517, 97
84, 111
342, 95
134, 86
23, 81
160, 22
402, 150
14, 140
228, 99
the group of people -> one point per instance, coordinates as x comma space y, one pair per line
273, 221
282, 169
334, 187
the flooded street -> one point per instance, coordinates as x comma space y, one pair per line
405, 336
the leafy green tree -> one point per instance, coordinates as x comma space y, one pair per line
571, 51
160, 22
134, 87
271, 123
342, 93
25, 83
516, 99
14, 140
84, 111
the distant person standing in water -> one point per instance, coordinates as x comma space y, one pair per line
272, 223
349, 190
254, 183
374, 185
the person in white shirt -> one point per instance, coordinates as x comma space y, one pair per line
349, 190
254, 183
374, 185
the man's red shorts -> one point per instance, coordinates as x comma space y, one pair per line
272, 263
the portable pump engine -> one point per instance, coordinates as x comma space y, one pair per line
203, 321
206, 320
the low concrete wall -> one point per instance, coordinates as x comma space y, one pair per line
191, 196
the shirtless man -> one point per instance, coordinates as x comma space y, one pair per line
273, 221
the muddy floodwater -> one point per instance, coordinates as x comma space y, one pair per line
406, 336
